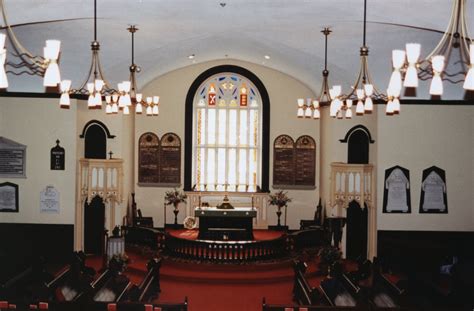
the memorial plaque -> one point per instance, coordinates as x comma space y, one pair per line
148, 158
49, 200
170, 159
8, 197
283, 161
305, 161
58, 155
397, 190
433, 191
12, 158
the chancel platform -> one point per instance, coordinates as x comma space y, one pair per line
225, 224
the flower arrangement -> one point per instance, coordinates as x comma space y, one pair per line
279, 199
175, 197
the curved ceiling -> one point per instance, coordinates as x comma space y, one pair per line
171, 30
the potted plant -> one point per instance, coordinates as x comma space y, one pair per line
175, 197
279, 199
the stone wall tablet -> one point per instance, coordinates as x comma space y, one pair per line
396, 197
433, 197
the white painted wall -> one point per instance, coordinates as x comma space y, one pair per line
420, 137
283, 91
37, 123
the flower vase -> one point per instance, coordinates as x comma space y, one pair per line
176, 211
279, 214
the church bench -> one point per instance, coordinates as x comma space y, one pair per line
303, 293
104, 306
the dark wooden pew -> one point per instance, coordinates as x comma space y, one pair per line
303, 293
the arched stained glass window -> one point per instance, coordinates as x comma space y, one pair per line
227, 127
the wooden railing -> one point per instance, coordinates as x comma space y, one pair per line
228, 251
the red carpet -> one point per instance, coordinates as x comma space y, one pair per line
191, 234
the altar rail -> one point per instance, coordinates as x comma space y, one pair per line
226, 251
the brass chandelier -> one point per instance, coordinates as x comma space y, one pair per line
45, 66
408, 69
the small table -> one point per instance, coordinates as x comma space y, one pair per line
225, 224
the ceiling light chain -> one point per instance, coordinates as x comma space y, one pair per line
311, 108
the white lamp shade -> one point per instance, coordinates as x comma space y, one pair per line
438, 63
395, 80
360, 107
120, 87
149, 111
90, 88
300, 102
471, 53
396, 105
436, 87
316, 114
308, 113
65, 86
139, 108
98, 99
52, 49
300, 113
360, 94
156, 110
332, 93
52, 76
90, 101
156, 100
126, 111
369, 105
315, 104
127, 100
338, 103
108, 109
139, 97
3, 74
339, 114
64, 100
332, 109
108, 99
348, 114
398, 59
99, 84
115, 97
126, 86
411, 77
369, 89
349, 103
389, 107
115, 107
121, 101
413, 52
469, 81
149, 100
3, 37
337, 90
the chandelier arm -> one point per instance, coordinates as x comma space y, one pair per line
447, 33
83, 86
22, 51
107, 87
31, 73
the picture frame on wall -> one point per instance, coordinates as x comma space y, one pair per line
8, 197
433, 196
396, 197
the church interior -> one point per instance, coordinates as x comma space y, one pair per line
237, 155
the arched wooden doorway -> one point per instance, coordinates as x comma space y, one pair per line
356, 231
94, 222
